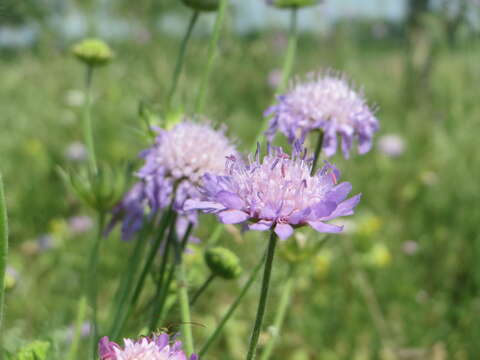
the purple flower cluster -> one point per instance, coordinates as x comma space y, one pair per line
327, 103
173, 168
276, 193
157, 347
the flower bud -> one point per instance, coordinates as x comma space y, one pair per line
222, 262
202, 5
100, 191
293, 3
93, 52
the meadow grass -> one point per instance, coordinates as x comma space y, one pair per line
427, 195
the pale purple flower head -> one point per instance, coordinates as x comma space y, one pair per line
80, 224
76, 151
324, 102
391, 145
276, 193
177, 160
157, 347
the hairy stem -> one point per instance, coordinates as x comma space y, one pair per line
262, 303
280, 315
232, 307
201, 290
3, 252
212, 50
318, 150
181, 59
87, 120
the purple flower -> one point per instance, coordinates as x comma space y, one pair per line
277, 193
157, 347
172, 170
391, 145
76, 151
80, 224
329, 103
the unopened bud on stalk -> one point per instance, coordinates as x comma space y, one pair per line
202, 5
293, 3
100, 190
93, 52
223, 263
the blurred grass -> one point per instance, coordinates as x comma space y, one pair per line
427, 195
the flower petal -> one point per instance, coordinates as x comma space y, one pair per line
323, 208
232, 216
208, 206
284, 231
325, 228
344, 208
339, 192
262, 225
230, 200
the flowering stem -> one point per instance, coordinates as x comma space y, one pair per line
167, 218
159, 310
181, 58
91, 280
291, 50
368, 293
161, 278
182, 292
280, 315
263, 297
151, 256
129, 275
233, 307
286, 69
87, 120
202, 289
212, 50
3, 251
82, 309
318, 149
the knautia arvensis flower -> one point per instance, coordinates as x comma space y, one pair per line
157, 347
276, 193
325, 102
173, 168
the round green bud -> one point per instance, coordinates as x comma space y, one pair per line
222, 262
293, 3
93, 52
202, 5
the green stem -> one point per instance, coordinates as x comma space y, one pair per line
159, 310
202, 289
286, 69
262, 303
128, 277
367, 291
280, 315
182, 291
318, 149
232, 308
291, 50
215, 236
3, 252
91, 280
162, 278
212, 50
181, 58
166, 220
87, 120
81, 312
